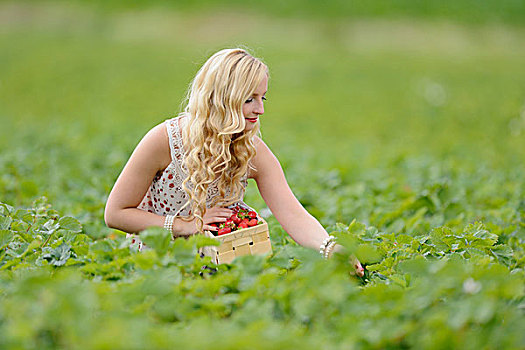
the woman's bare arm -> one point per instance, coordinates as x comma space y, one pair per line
296, 221
149, 157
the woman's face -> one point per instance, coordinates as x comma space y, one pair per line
254, 106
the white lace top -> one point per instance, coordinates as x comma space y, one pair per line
166, 194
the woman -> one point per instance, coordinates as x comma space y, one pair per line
186, 171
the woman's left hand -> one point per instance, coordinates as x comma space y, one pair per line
356, 264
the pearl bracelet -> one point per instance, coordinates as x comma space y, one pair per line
168, 222
326, 243
329, 249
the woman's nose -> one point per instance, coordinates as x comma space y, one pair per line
259, 109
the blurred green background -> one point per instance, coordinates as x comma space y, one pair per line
394, 92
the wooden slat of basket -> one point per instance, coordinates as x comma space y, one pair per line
260, 228
226, 258
261, 247
241, 241
242, 250
225, 247
260, 237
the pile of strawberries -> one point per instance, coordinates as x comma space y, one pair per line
241, 218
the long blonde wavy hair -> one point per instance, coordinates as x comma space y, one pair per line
218, 149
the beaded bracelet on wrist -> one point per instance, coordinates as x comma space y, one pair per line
168, 223
326, 243
329, 249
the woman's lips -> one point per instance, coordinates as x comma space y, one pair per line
252, 120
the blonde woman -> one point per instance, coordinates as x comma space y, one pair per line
185, 172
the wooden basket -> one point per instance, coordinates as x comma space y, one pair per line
247, 241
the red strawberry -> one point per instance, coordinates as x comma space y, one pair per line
245, 221
252, 214
252, 222
235, 219
224, 231
243, 225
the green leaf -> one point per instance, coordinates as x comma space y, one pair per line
80, 244
156, 238
479, 237
146, 259
23, 215
281, 258
49, 227
5, 238
5, 209
5, 222
404, 239
203, 241
356, 228
415, 266
184, 251
103, 246
398, 279
17, 249
26, 236
368, 254
71, 224
439, 236
59, 255
250, 264
32, 246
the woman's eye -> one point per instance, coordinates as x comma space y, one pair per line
251, 99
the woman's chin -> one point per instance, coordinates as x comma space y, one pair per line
249, 126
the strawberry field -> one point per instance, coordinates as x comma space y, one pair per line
404, 136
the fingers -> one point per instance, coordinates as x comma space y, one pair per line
217, 214
358, 268
219, 211
214, 219
209, 228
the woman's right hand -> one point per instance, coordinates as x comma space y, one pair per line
213, 215
216, 215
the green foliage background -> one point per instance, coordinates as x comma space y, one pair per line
408, 117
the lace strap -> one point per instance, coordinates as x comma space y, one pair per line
175, 138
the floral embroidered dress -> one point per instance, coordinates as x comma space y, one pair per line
166, 194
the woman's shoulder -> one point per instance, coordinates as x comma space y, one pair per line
264, 158
157, 136
262, 149
155, 145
